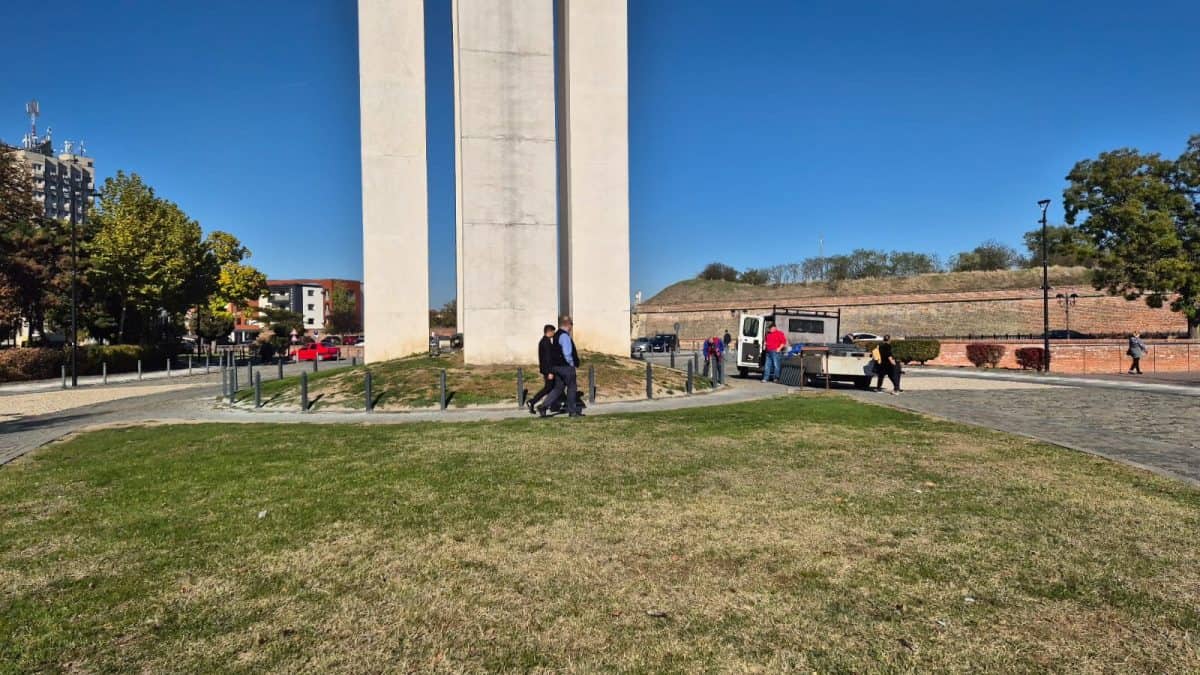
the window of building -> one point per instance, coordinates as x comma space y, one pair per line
310, 292
309, 321
310, 307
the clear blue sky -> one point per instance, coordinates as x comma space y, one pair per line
754, 127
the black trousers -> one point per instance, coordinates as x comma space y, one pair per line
565, 378
892, 370
1136, 366
547, 387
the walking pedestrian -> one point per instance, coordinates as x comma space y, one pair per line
545, 366
728, 339
565, 360
1137, 350
775, 343
886, 365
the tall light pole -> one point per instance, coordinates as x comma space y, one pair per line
1045, 204
74, 307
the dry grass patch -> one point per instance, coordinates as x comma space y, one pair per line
809, 534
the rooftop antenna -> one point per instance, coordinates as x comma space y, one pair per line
821, 246
82, 149
33, 110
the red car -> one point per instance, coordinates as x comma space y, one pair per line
315, 351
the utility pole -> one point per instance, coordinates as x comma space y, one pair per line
1045, 204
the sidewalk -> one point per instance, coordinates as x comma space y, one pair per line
198, 371
1188, 387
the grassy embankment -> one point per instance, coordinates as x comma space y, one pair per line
413, 382
800, 533
698, 290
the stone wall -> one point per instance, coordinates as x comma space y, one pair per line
956, 314
1086, 356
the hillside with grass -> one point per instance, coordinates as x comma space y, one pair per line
693, 291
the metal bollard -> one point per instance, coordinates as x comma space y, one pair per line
370, 404
189, 364
280, 364
168, 368
691, 374
224, 383
442, 385
696, 360
520, 387
303, 392
104, 372
139, 369
257, 390
649, 380
64, 377
316, 360
353, 361
249, 370
233, 384
672, 358
207, 359
591, 385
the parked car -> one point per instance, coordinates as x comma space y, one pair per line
315, 351
332, 341
851, 338
665, 342
1068, 335
639, 347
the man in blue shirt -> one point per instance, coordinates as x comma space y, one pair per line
565, 361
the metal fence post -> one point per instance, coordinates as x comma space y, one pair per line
64, 377
303, 391
370, 405
520, 387
442, 385
139, 369
104, 372
649, 380
691, 374
591, 385
280, 363
257, 390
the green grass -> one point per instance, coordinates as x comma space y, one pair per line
701, 291
800, 533
412, 382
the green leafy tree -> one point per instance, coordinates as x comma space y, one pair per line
280, 324
343, 312
988, 256
754, 276
718, 272
446, 317
147, 256
1065, 245
214, 326
1142, 214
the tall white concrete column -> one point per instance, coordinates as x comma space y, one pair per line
593, 109
506, 175
391, 54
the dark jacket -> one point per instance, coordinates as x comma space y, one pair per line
560, 360
546, 349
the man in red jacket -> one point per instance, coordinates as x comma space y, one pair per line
776, 343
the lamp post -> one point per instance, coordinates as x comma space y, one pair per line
74, 306
1045, 204
1067, 301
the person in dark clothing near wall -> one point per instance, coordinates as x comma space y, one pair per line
887, 365
546, 350
565, 361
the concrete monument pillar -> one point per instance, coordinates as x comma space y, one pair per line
593, 115
506, 175
391, 50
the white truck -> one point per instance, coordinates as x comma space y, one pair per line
816, 329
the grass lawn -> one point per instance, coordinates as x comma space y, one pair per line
807, 534
412, 382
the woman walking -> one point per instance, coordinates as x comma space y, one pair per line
1137, 349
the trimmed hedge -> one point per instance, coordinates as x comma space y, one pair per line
30, 363
1031, 357
985, 353
907, 351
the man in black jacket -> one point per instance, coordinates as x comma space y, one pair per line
546, 351
565, 361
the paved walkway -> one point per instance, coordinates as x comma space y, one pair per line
1142, 425
269, 371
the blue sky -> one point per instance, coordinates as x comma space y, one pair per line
755, 128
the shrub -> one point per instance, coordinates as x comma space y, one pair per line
984, 353
907, 351
1031, 357
122, 358
30, 363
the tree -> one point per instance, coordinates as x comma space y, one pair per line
1066, 245
1142, 214
343, 312
911, 263
988, 256
755, 277
214, 325
147, 256
280, 324
718, 272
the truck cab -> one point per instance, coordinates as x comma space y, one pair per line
801, 326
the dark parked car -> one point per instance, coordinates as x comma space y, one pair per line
665, 342
1068, 335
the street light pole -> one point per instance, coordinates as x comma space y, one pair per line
74, 307
1045, 204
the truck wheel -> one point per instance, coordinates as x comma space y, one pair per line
743, 372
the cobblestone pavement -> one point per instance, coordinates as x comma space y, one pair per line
1154, 430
